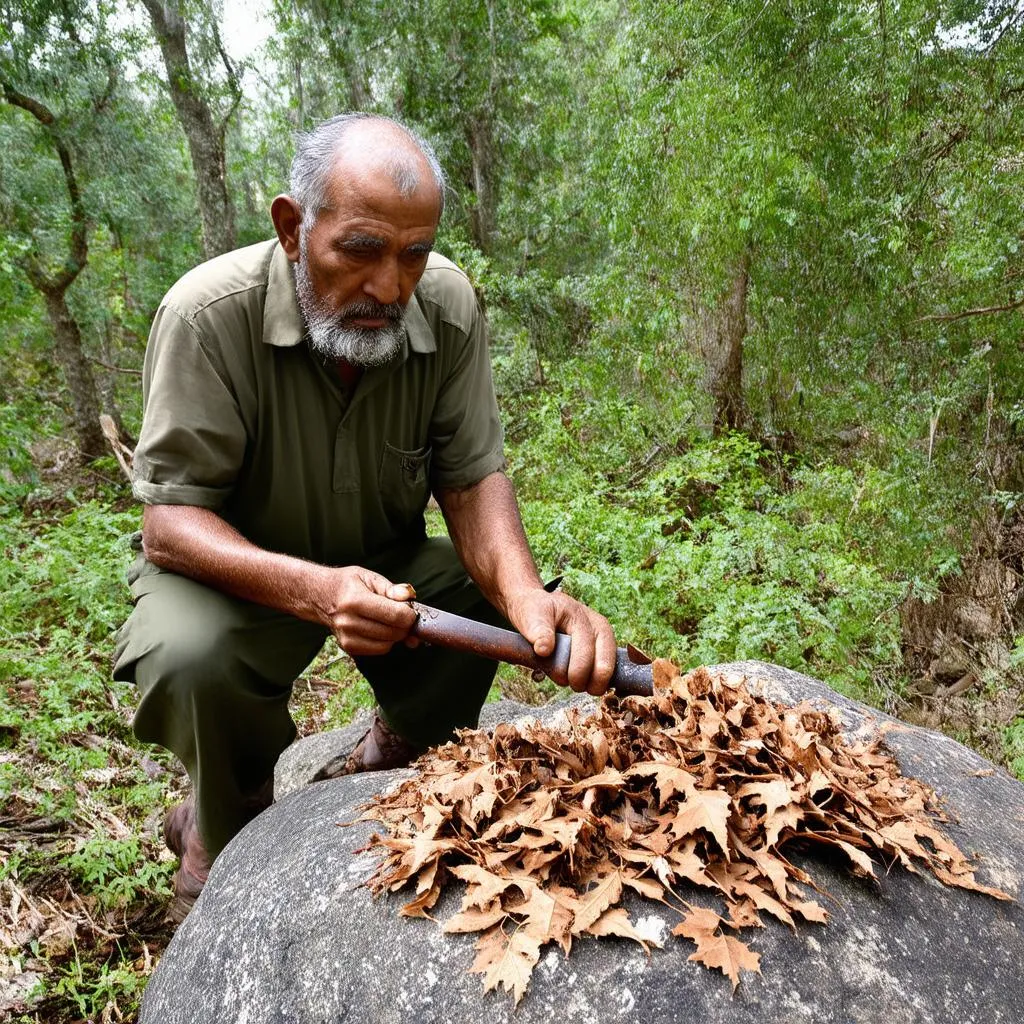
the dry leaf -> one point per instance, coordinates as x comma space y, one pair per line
506, 960
704, 784
729, 955
617, 922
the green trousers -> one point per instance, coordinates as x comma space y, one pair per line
215, 673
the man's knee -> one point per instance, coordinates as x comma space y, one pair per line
192, 663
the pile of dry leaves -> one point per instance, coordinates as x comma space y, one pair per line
703, 784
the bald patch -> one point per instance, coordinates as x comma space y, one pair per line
372, 148
356, 144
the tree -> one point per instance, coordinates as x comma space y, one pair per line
55, 242
91, 183
204, 130
52, 283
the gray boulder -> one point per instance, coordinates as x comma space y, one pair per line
285, 932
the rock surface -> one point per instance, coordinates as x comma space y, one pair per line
284, 932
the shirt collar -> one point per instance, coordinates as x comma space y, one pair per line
282, 321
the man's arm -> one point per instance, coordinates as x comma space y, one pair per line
365, 611
487, 531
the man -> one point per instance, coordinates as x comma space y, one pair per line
302, 398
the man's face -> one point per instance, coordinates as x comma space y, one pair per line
358, 266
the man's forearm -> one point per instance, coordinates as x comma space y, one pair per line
488, 534
198, 543
366, 612
487, 531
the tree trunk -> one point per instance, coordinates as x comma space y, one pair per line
481, 150
722, 331
53, 286
78, 375
205, 138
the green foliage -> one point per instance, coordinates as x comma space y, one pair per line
118, 871
1014, 742
716, 555
92, 988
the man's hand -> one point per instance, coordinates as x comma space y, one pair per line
368, 613
538, 615
365, 611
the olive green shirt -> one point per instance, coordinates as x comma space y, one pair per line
240, 416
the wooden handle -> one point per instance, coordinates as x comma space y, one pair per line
457, 633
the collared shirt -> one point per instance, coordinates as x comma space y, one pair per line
240, 416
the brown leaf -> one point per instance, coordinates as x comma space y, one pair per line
698, 924
664, 672
596, 900
419, 906
475, 919
617, 922
728, 955
772, 795
645, 886
704, 782
670, 779
706, 809
484, 886
506, 960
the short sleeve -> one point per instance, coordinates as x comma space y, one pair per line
193, 439
466, 433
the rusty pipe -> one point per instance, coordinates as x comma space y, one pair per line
632, 674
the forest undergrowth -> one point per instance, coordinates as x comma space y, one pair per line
699, 549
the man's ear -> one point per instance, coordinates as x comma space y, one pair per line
287, 217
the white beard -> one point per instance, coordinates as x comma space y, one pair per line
331, 333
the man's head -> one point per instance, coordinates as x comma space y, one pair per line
366, 198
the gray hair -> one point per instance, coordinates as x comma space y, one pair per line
317, 150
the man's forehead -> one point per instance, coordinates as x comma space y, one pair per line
373, 182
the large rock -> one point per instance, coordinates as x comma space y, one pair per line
285, 932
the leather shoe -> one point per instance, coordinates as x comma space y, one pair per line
380, 749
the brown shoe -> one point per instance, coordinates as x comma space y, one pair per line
181, 833
380, 749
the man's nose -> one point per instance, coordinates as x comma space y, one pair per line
382, 283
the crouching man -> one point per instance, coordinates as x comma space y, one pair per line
302, 399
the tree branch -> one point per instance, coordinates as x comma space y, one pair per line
234, 88
79, 247
100, 103
948, 318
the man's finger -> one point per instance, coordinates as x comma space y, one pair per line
400, 592
604, 657
386, 610
540, 631
581, 655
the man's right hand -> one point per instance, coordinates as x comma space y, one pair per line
365, 611
368, 613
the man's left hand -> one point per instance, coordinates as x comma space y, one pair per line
538, 615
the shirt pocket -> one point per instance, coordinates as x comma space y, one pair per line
404, 485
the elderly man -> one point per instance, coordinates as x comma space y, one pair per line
302, 398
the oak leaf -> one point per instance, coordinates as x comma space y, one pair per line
705, 784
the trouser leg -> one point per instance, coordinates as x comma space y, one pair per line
214, 676
425, 693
